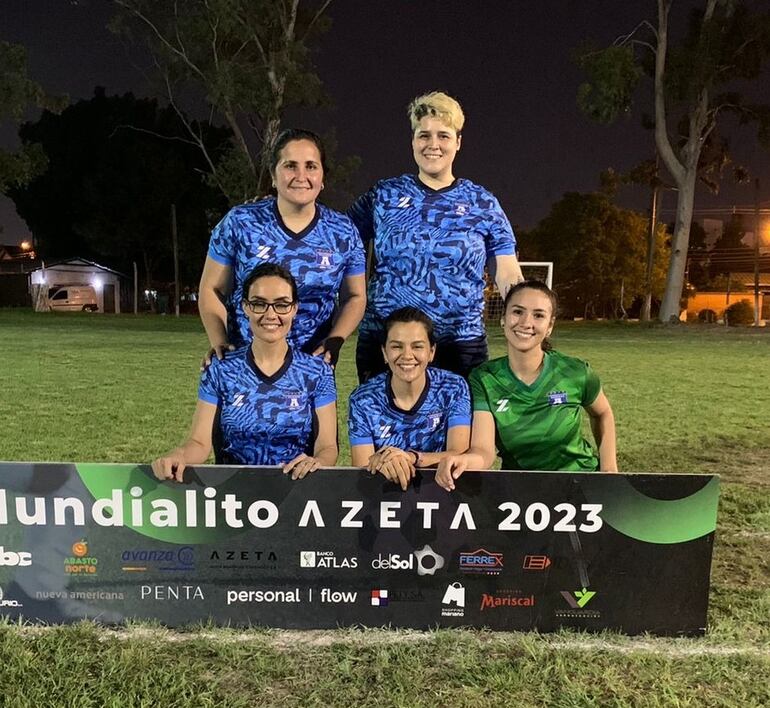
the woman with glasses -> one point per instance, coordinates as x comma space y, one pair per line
432, 236
271, 405
320, 247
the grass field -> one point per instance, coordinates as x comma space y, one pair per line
122, 389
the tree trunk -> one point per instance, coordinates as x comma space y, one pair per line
265, 179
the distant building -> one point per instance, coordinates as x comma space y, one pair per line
76, 271
741, 288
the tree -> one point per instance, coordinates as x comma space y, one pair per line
18, 93
110, 183
598, 252
251, 60
724, 42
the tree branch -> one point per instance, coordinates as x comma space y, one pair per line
316, 17
153, 133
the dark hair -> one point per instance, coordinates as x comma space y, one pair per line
290, 135
541, 287
263, 270
410, 314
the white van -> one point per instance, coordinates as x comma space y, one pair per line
72, 298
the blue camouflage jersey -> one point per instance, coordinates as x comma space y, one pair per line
430, 250
328, 250
374, 419
266, 420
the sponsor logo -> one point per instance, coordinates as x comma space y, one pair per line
453, 602
404, 202
80, 563
384, 431
393, 561
536, 562
577, 601
140, 560
323, 258
428, 561
336, 597
294, 400
263, 252
79, 595
8, 603
232, 558
505, 598
15, 558
557, 398
406, 596
238, 400
379, 598
481, 561
501, 405
171, 592
284, 596
326, 559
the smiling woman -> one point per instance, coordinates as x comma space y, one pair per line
528, 403
320, 247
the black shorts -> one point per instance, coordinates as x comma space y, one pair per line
459, 357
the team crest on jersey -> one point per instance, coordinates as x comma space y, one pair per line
435, 419
557, 398
323, 258
461, 209
294, 400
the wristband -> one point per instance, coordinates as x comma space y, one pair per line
416, 456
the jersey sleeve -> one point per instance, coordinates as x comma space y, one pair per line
356, 260
459, 404
326, 390
222, 242
209, 389
478, 393
499, 238
361, 214
591, 387
359, 431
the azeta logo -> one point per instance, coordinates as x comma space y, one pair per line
80, 563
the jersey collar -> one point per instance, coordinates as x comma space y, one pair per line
291, 234
277, 375
430, 190
418, 404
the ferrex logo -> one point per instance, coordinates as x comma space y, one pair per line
20, 558
579, 598
481, 561
510, 598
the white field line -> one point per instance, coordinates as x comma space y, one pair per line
288, 640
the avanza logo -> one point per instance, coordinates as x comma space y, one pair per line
578, 599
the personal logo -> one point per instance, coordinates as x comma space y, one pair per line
80, 563
294, 400
243, 559
557, 398
577, 601
281, 596
536, 562
404, 202
171, 593
8, 603
379, 598
323, 258
141, 560
481, 561
453, 602
263, 252
501, 405
428, 561
326, 559
505, 599
15, 558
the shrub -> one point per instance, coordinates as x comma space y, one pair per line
740, 313
708, 316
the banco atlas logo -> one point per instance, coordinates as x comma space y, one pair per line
15, 558
326, 559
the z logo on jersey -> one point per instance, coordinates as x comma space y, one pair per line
384, 431
502, 405
238, 400
263, 252
404, 202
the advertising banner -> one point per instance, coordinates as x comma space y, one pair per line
247, 546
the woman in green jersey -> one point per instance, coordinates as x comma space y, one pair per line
528, 403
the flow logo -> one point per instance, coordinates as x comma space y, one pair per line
578, 599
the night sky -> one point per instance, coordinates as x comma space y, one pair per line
508, 63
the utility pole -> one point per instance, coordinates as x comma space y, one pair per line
647, 305
756, 252
136, 289
175, 244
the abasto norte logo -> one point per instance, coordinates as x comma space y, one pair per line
80, 563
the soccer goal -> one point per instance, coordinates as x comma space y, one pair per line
532, 270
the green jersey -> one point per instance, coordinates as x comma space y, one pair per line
539, 427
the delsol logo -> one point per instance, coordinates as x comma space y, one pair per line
15, 558
80, 563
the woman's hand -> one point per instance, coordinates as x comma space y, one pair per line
171, 466
301, 466
217, 351
394, 464
450, 469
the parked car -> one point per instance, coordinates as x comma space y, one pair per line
72, 298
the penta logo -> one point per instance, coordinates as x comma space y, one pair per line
393, 561
326, 559
165, 593
536, 562
453, 601
428, 561
80, 563
15, 558
8, 603
481, 561
506, 598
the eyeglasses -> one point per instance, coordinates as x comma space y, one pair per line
260, 307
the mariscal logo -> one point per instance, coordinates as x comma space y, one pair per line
80, 563
506, 598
